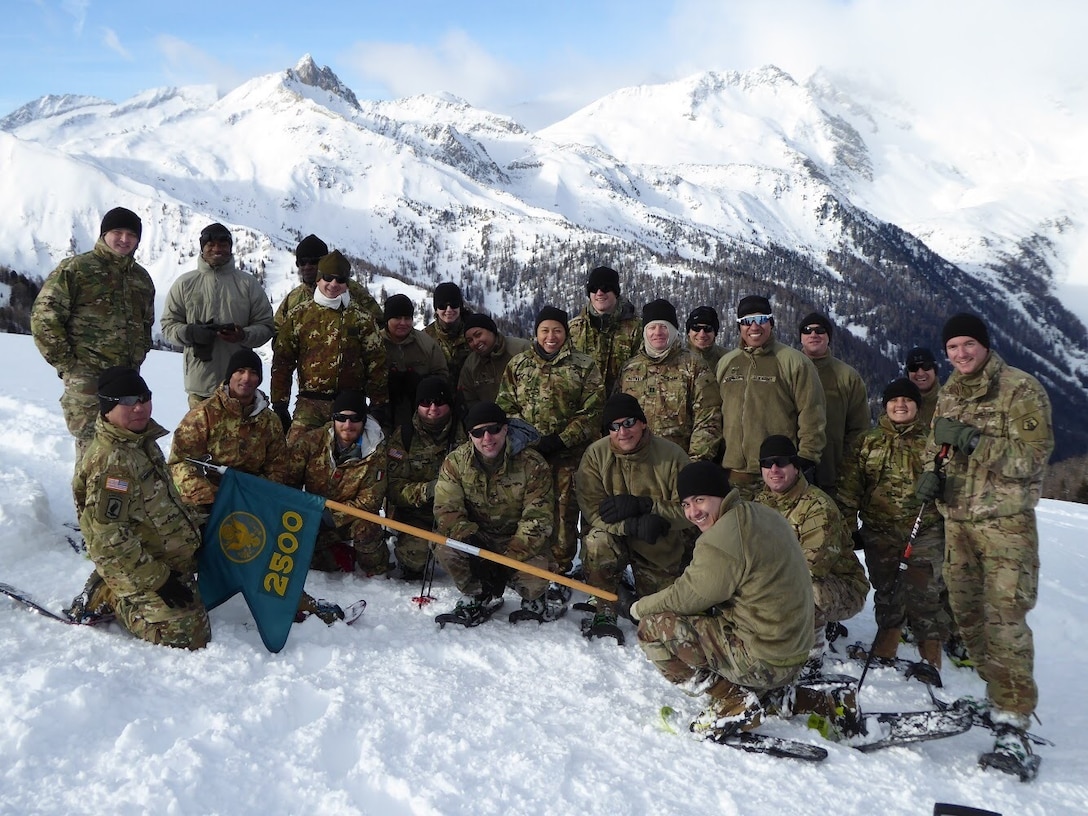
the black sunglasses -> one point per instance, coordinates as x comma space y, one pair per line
622, 423
337, 278
702, 327
348, 418
813, 330
775, 461
912, 367
128, 402
494, 429
601, 288
443, 306
428, 403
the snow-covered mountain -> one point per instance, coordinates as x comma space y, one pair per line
822, 195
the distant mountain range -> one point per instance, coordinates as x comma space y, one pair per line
819, 195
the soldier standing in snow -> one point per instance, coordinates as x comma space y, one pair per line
308, 255
921, 369
607, 328
448, 327
95, 311
482, 371
410, 355
702, 328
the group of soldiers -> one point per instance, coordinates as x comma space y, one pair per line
715, 493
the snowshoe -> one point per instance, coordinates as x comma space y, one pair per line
559, 593
327, 611
84, 619
92, 605
725, 716
772, 746
832, 632
830, 701
891, 729
542, 610
470, 611
602, 625
1012, 754
911, 669
957, 652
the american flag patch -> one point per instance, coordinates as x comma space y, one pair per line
117, 485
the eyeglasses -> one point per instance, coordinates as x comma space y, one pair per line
622, 423
128, 402
813, 330
347, 418
912, 367
755, 320
602, 288
775, 461
494, 429
337, 278
430, 403
307, 261
702, 328
443, 306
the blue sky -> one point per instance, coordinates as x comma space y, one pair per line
538, 61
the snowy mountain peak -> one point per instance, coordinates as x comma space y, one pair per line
47, 106
307, 72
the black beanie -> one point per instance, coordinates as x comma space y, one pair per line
702, 478
919, 355
659, 309
603, 277
116, 382
551, 313
819, 320
350, 401
478, 320
244, 358
778, 445
448, 293
704, 316
120, 218
434, 387
966, 325
215, 231
334, 263
620, 406
901, 388
398, 306
483, 413
311, 247
753, 304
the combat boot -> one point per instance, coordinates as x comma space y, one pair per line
731, 709
930, 652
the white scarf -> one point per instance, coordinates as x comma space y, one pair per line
332, 303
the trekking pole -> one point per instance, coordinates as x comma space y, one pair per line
897, 579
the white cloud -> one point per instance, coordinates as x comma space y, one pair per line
113, 42
77, 9
187, 64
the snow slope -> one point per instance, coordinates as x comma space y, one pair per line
394, 716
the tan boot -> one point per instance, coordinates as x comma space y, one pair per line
886, 644
930, 652
731, 708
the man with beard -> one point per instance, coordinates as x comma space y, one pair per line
607, 328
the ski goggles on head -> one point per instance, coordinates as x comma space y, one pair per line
494, 429
622, 423
128, 402
755, 320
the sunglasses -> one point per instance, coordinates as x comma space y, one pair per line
430, 403
443, 306
128, 402
622, 423
494, 429
701, 328
347, 418
775, 461
307, 261
595, 289
755, 320
337, 278
923, 366
813, 330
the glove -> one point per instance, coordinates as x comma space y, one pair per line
280, 409
477, 541
808, 469
929, 486
648, 528
200, 334
173, 592
633, 612
328, 521
550, 444
614, 509
430, 489
959, 435
233, 334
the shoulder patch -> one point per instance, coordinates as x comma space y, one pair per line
396, 453
116, 485
1031, 423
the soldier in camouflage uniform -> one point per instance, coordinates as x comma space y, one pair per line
448, 327
674, 386
738, 623
702, 329
627, 493
495, 492
345, 461
308, 255
921, 369
138, 531
334, 344
559, 392
839, 585
482, 371
607, 328
212, 312
997, 420
416, 451
95, 311
877, 483
410, 355
233, 427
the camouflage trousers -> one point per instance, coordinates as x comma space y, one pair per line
145, 615
79, 402
412, 551
923, 581
748, 484
836, 599
684, 647
337, 551
992, 571
474, 575
565, 544
309, 414
655, 566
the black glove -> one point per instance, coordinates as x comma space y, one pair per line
231, 333
808, 469
959, 435
648, 528
173, 592
328, 521
477, 541
200, 334
929, 486
614, 509
280, 409
550, 444
430, 489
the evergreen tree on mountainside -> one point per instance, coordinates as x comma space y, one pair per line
15, 309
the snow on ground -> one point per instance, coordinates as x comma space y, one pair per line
395, 716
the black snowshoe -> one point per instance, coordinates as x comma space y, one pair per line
545, 609
602, 625
470, 611
1012, 754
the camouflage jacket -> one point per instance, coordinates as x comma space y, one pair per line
481, 374
136, 526
248, 440
878, 478
563, 396
610, 339
846, 404
94, 311
408, 362
357, 482
1004, 475
769, 390
453, 343
929, 405
680, 398
818, 525
748, 569
710, 356
415, 456
513, 503
332, 350
304, 293
219, 295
